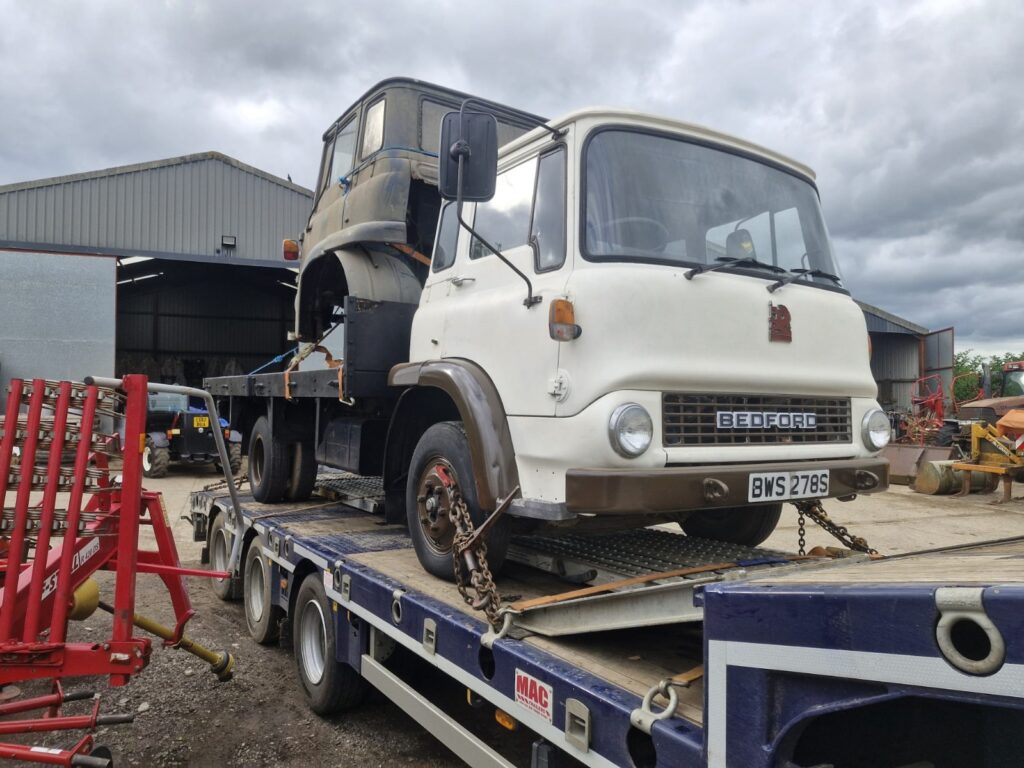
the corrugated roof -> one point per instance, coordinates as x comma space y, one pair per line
178, 208
880, 321
151, 165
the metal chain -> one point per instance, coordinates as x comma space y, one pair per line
801, 534
812, 508
240, 480
481, 593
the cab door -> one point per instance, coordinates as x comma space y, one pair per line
481, 301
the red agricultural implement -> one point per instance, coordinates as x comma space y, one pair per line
73, 515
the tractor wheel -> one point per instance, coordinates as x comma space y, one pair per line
302, 477
330, 686
268, 464
736, 525
155, 459
262, 617
234, 459
440, 466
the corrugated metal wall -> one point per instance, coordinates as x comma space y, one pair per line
56, 316
177, 207
896, 365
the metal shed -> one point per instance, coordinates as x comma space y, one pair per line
902, 352
171, 267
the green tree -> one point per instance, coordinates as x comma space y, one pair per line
967, 362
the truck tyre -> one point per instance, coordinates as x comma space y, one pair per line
302, 476
268, 464
262, 617
220, 538
736, 525
330, 686
155, 459
234, 459
442, 456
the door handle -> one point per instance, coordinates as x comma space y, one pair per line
457, 281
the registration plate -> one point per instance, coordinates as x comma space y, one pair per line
782, 486
200, 421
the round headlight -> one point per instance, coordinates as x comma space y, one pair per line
876, 430
630, 430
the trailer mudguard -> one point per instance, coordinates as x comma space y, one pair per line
481, 411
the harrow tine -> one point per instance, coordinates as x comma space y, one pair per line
39, 565
62, 599
15, 553
7, 444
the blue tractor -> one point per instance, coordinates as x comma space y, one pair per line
178, 431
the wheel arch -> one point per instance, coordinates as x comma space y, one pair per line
329, 275
443, 390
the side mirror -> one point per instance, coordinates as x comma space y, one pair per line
473, 137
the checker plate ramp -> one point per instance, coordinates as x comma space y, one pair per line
606, 559
636, 555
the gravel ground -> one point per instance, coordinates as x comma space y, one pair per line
185, 717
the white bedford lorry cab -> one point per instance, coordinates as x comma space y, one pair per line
643, 385
635, 321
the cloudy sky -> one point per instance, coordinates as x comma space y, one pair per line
912, 113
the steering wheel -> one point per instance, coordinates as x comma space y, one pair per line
639, 232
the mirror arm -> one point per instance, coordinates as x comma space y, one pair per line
460, 152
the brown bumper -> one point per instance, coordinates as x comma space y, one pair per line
678, 489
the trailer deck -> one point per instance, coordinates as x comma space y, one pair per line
785, 642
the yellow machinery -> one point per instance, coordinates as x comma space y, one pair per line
997, 450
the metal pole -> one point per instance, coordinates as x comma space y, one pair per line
222, 451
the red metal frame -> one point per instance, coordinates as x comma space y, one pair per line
42, 563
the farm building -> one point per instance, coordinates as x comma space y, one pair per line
172, 268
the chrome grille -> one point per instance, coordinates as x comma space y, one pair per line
689, 419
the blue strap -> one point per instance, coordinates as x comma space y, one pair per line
279, 359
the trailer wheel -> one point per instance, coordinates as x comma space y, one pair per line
155, 459
329, 685
262, 617
302, 477
234, 459
441, 464
219, 539
736, 525
268, 464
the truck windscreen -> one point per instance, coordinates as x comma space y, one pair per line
661, 199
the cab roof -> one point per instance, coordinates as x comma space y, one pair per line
611, 115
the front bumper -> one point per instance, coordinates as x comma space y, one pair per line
680, 489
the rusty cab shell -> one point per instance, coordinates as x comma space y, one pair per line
377, 188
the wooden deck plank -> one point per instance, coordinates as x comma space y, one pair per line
1001, 563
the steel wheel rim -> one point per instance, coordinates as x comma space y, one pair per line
435, 524
147, 459
256, 461
313, 639
255, 587
219, 551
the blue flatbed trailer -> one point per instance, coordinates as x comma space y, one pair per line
768, 660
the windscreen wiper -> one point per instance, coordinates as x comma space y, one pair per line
797, 274
728, 261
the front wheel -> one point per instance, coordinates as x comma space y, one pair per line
155, 459
442, 468
234, 459
329, 685
736, 525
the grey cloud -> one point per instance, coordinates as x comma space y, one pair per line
910, 112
